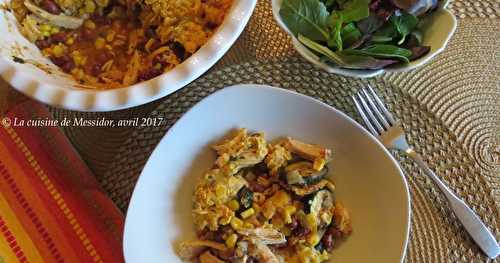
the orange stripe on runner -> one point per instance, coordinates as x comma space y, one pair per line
78, 230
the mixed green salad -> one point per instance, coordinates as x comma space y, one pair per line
359, 34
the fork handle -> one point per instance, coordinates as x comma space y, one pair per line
472, 223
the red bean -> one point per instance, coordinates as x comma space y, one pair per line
59, 37
327, 241
294, 224
301, 231
95, 69
42, 43
60, 61
51, 7
87, 34
68, 66
150, 32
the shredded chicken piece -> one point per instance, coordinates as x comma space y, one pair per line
262, 252
58, 20
316, 153
267, 236
189, 250
132, 69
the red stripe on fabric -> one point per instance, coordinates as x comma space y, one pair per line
34, 219
11, 240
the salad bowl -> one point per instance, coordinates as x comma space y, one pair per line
437, 28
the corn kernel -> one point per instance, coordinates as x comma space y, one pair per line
89, 24
77, 60
54, 30
231, 241
234, 205
220, 190
313, 239
247, 213
58, 50
311, 221
99, 43
319, 164
110, 36
288, 212
45, 28
46, 34
236, 223
89, 6
70, 41
226, 220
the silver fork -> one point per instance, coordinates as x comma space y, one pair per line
389, 131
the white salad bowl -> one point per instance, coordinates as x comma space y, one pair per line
27, 70
437, 29
368, 180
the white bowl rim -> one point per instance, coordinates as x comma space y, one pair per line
102, 100
367, 73
221, 92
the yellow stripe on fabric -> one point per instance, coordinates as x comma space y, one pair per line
23, 239
79, 231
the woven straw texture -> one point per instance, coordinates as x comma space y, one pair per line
449, 108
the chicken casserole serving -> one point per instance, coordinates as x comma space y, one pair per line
266, 202
115, 43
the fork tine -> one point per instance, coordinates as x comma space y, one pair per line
375, 109
369, 112
381, 105
365, 118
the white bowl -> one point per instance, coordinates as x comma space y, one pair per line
46, 83
369, 181
438, 28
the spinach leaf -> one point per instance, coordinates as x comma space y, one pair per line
354, 10
370, 24
343, 60
306, 17
382, 51
350, 34
387, 30
321, 49
404, 24
335, 34
381, 39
